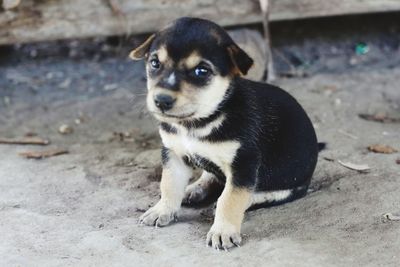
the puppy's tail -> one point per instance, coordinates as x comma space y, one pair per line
295, 194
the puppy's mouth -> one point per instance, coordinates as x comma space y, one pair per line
180, 117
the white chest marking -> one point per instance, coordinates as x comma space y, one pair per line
183, 143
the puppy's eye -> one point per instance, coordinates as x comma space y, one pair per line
155, 63
201, 72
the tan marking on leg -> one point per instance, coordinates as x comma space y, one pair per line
231, 205
174, 179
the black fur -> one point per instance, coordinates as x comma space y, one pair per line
278, 144
164, 155
199, 123
205, 164
168, 127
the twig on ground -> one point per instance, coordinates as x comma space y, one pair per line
379, 118
25, 141
43, 154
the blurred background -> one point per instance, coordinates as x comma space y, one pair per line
79, 155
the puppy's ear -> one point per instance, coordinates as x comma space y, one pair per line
240, 60
141, 51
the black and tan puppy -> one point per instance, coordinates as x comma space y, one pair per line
251, 137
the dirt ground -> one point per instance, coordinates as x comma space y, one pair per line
81, 208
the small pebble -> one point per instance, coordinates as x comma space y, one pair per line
65, 129
7, 100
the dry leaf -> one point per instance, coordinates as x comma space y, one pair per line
382, 149
356, 167
43, 154
25, 141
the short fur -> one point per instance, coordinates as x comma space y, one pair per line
254, 141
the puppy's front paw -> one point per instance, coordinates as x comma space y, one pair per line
159, 215
223, 235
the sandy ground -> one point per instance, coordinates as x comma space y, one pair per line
81, 209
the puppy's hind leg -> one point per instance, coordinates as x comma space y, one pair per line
204, 191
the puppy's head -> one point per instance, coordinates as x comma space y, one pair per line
190, 65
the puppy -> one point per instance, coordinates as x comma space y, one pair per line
253, 140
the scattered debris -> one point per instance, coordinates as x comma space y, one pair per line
7, 100
25, 141
80, 119
384, 149
65, 129
356, 167
379, 117
391, 217
43, 154
65, 84
361, 48
348, 134
70, 168
30, 134
18, 78
354, 60
325, 89
122, 137
328, 159
338, 102
110, 87
398, 161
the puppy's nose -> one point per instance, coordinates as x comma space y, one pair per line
164, 102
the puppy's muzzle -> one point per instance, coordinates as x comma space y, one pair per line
164, 102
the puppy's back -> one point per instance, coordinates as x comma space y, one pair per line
287, 139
